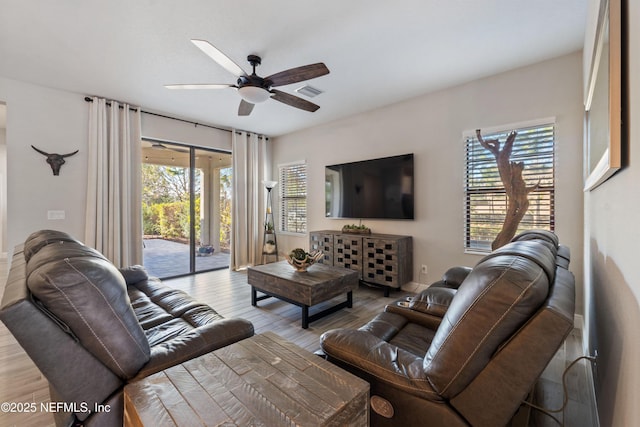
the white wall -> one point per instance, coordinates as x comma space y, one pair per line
612, 276
3, 189
431, 127
56, 121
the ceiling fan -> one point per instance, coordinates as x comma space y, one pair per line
255, 89
159, 146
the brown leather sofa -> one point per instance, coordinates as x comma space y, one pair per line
470, 354
91, 328
434, 301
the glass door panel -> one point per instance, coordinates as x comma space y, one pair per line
212, 197
166, 209
186, 209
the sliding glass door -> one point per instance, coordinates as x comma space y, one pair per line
212, 209
186, 208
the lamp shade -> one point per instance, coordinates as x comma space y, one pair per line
254, 94
269, 184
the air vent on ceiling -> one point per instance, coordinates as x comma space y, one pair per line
309, 91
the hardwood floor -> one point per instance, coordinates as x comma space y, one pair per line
229, 294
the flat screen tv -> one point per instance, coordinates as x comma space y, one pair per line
378, 188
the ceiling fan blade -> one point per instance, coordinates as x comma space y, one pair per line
160, 146
179, 150
219, 57
245, 108
298, 74
200, 86
293, 101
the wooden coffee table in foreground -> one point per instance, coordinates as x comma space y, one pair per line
260, 381
318, 284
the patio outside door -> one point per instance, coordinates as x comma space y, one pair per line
186, 207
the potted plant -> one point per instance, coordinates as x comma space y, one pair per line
269, 247
356, 229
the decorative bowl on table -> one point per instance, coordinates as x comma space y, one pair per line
301, 260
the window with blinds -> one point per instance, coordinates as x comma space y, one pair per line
485, 197
293, 198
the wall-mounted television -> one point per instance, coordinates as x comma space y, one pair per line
377, 188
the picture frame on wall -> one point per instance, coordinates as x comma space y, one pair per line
603, 102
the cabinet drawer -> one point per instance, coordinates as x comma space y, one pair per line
347, 252
322, 242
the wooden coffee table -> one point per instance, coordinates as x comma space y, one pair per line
318, 284
260, 381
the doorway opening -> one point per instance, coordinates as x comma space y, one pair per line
186, 208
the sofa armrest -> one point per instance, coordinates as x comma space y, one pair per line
426, 308
134, 274
427, 320
453, 277
386, 362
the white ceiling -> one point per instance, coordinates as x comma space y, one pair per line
378, 52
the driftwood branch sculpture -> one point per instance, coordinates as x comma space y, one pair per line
514, 185
55, 160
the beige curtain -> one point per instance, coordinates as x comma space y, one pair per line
251, 166
113, 223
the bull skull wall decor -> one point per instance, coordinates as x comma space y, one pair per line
55, 160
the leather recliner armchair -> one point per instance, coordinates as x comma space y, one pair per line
434, 301
473, 362
91, 328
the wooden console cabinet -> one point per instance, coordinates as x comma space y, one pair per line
380, 259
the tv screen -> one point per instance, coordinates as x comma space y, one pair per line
378, 188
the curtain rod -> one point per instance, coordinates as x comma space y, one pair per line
89, 99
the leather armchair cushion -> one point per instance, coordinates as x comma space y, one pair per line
177, 327
385, 325
193, 341
174, 302
148, 313
414, 338
496, 299
89, 295
386, 362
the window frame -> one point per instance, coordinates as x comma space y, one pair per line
547, 192
300, 197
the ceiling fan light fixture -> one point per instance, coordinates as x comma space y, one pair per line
254, 94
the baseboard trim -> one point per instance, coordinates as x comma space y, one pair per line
591, 385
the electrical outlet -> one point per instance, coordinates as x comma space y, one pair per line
55, 214
423, 270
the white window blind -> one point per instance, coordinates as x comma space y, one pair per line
293, 198
485, 198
